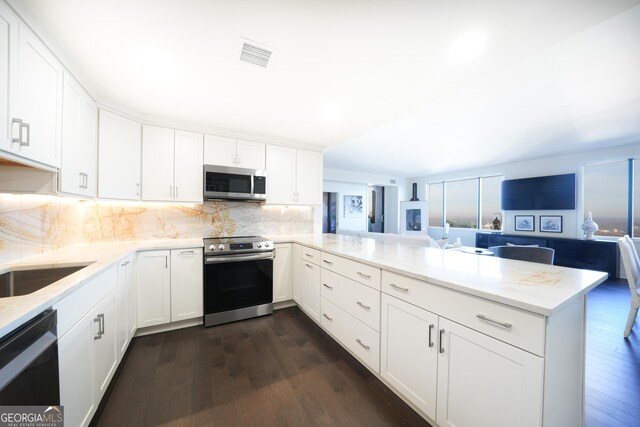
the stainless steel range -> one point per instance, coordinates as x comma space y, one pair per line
238, 278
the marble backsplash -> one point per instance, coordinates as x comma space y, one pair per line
31, 224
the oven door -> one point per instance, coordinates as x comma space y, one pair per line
237, 281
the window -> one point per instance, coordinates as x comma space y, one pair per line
606, 195
462, 203
435, 204
491, 213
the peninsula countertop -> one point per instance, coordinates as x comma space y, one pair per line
539, 288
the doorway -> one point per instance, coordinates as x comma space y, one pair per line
329, 210
376, 209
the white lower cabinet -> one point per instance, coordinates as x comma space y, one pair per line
169, 286
126, 305
87, 350
409, 352
485, 382
310, 275
296, 273
282, 273
186, 284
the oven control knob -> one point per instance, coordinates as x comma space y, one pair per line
212, 247
266, 244
260, 245
221, 247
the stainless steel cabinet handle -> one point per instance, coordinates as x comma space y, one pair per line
309, 255
441, 350
327, 262
308, 265
166, 261
359, 341
97, 320
366, 307
325, 315
192, 251
28, 141
327, 286
400, 288
101, 317
506, 325
138, 189
81, 185
361, 274
86, 180
431, 326
176, 191
125, 263
19, 123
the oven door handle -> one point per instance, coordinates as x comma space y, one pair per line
237, 258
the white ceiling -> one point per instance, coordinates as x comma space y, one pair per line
556, 76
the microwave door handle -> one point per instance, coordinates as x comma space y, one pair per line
253, 180
236, 258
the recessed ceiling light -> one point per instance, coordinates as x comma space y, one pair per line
332, 112
467, 46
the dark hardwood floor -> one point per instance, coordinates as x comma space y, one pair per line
283, 370
279, 370
612, 387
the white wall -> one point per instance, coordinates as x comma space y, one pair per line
571, 163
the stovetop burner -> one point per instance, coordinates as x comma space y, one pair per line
236, 245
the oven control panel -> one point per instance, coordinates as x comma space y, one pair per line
237, 245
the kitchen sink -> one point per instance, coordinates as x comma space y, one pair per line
23, 282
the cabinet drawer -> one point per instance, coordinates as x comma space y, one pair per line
517, 327
358, 300
77, 304
354, 335
354, 270
311, 255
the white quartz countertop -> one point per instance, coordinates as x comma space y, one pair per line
539, 288
14, 311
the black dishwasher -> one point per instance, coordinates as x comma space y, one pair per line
29, 363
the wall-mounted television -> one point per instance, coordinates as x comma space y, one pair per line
553, 192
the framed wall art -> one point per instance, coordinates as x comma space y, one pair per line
551, 223
525, 222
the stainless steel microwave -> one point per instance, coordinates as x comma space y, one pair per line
222, 182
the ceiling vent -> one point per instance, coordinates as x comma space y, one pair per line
255, 54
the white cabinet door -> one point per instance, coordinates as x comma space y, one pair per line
409, 352
219, 150
132, 304
39, 102
105, 359
153, 283
250, 154
75, 350
8, 73
122, 335
186, 284
119, 144
296, 273
281, 175
485, 382
282, 273
309, 177
188, 167
311, 289
79, 144
157, 163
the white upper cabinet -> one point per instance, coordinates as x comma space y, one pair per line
31, 94
294, 177
309, 177
188, 167
78, 168
119, 141
157, 163
8, 72
171, 165
224, 151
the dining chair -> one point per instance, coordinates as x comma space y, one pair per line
524, 253
632, 270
